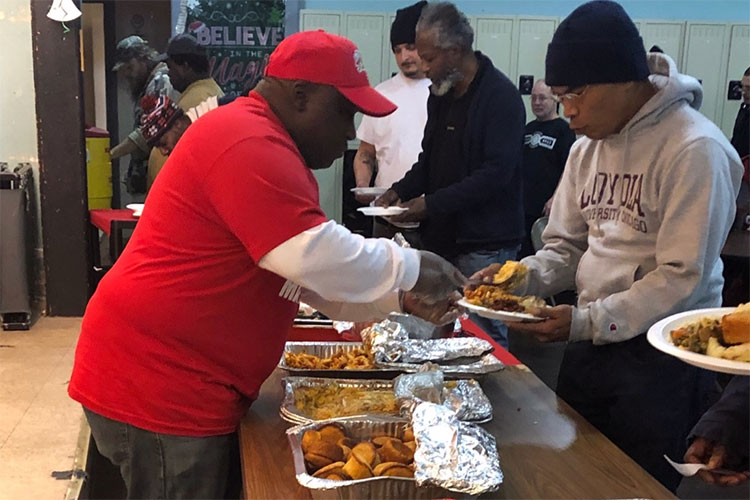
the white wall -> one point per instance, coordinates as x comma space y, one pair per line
18, 139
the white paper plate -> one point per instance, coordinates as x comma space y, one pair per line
658, 336
137, 209
507, 316
382, 211
369, 191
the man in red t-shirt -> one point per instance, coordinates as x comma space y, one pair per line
192, 318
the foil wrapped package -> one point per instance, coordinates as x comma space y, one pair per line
452, 454
385, 340
421, 386
468, 401
419, 351
390, 343
464, 397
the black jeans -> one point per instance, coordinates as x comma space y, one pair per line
164, 466
644, 401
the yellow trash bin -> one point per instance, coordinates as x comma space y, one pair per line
98, 168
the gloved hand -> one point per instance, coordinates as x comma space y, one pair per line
439, 313
437, 280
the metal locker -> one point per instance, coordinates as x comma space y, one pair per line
668, 35
533, 36
494, 37
738, 62
327, 20
705, 58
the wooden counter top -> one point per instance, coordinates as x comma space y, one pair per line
546, 449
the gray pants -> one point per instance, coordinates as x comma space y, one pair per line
164, 466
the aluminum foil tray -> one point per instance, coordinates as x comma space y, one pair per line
289, 412
360, 428
486, 364
327, 349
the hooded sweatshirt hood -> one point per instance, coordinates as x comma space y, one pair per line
639, 217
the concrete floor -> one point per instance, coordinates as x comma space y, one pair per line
39, 423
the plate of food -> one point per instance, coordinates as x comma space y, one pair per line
716, 339
382, 211
493, 300
520, 316
137, 208
368, 191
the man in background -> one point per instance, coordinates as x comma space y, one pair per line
465, 189
138, 64
188, 72
391, 145
547, 143
741, 132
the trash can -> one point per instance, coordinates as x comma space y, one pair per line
98, 168
15, 209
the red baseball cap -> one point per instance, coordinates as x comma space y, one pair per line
320, 57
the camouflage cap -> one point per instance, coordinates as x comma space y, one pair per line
128, 48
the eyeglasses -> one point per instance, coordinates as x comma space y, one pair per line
570, 97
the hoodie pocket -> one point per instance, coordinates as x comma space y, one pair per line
598, 277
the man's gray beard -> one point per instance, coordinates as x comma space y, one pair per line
441, 88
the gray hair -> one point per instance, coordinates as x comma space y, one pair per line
450, 25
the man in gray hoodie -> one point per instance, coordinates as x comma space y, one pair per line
638, 221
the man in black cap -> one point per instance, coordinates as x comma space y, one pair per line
188, 72
391, 145
137, 64
637, 225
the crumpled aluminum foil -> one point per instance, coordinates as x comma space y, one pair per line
468, 401
389, 343
454, 455
421, 386
464, 397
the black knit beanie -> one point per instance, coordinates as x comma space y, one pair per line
596, 43
403, 29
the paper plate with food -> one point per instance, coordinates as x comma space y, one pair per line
493, 299
716, 339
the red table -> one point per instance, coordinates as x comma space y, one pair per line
113, 222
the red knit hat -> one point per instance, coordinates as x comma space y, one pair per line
320, 57
159, 113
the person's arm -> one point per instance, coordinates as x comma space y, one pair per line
697, 209
414, 182
502, 125
720, 439
127, 146
365, 163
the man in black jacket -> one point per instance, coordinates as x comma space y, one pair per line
465, 189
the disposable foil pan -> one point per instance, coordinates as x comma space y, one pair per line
291, 384
289, 412
360, 429
327, 349
486, 364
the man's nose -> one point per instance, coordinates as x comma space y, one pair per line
351, 132
569, 110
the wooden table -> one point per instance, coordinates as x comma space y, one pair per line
546, 449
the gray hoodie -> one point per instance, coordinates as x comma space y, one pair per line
640, 217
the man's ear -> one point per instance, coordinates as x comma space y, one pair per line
301, 95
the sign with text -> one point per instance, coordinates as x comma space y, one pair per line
239, 35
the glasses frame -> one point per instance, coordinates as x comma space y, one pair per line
570, 96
